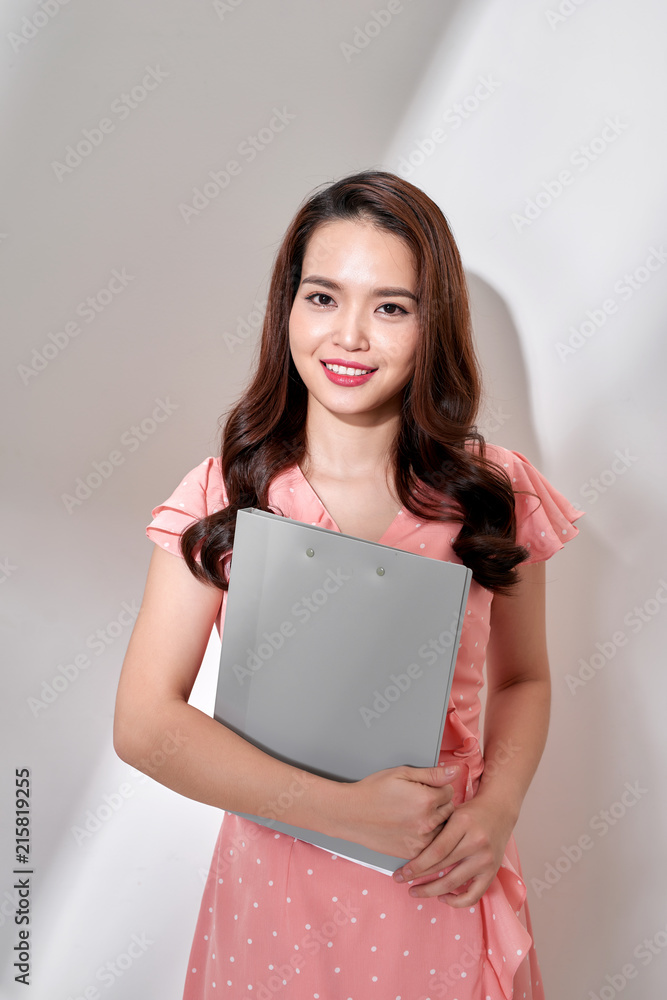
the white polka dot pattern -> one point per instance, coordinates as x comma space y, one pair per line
282, 918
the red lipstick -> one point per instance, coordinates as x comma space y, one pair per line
347, 380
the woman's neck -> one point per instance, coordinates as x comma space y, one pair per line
348, 447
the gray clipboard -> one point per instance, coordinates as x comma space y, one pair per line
337, 655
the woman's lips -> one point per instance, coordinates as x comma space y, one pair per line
348, 380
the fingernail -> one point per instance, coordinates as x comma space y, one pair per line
451, 770
407, 871
398, 877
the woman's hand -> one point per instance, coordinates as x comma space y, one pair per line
398, 810
464, 856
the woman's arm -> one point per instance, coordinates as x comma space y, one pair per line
156, 731
519, 692
473, 840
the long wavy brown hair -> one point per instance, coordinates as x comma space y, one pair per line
440, 469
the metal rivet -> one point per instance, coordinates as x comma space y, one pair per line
310, 552
380, 571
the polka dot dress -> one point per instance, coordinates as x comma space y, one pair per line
281, 917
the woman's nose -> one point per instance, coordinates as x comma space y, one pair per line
350, 329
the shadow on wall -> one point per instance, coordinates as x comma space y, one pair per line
506, 412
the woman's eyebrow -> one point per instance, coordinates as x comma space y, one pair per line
316, 279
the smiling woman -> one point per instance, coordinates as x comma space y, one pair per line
360, 418
413, 437
354, 319
358, 328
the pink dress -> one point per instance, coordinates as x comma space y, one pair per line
282, 918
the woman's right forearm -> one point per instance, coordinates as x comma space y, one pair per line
195, 755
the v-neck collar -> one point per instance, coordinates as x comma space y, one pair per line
380, 541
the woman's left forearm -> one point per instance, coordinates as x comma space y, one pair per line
515, 732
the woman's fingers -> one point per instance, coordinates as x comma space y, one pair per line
445, 811
472, 892
447, 879
439, 854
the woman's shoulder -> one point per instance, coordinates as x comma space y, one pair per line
545, 516
204, 486
513, 462
495, 453
199, 493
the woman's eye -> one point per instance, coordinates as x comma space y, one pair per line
323, 300
396, 309
319, 295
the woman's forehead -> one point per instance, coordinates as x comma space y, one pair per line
336, 241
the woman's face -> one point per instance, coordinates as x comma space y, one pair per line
355, 307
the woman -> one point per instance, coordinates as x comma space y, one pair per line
360, 418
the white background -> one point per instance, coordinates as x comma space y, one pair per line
553, 83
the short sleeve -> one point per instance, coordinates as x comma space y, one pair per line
545, 522
200, 493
